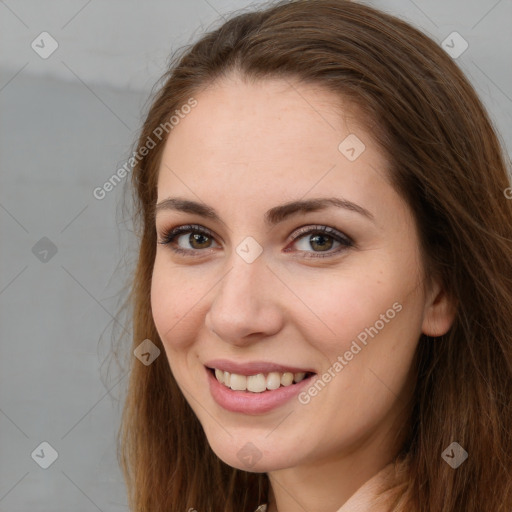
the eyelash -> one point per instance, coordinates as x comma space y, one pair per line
169, 236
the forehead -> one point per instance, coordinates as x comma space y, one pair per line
268, 139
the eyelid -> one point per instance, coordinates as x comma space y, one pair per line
321, 228
170, 234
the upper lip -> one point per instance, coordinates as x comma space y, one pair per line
253, 367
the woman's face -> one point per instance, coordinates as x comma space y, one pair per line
265, 293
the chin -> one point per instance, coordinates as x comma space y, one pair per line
254, 456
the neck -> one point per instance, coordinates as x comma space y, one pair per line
327, 485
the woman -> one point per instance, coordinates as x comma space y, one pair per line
325, 267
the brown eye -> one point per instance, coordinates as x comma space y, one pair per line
198, 239
192, 240
321, 239
322, 242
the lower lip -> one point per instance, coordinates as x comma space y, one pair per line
252, 403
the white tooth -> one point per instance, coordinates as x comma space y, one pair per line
220, 375
227, 378
256, 383
273, 380
238, 382
297, 377
287, 379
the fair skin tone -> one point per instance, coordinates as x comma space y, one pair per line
244, 149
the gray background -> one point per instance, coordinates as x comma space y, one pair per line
67, 123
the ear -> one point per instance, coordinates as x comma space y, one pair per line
439, 312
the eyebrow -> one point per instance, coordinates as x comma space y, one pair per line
273, 216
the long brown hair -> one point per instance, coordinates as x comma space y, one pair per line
447, 162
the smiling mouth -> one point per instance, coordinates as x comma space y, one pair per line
260, 382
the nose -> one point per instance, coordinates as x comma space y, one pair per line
246, 305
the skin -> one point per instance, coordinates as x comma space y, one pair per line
245, 148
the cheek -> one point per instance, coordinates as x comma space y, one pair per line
376, 356
371, 318
373, 353
342, 305
172, 306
